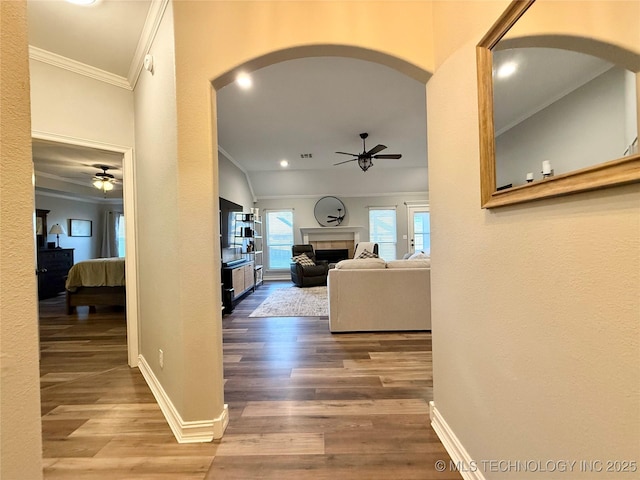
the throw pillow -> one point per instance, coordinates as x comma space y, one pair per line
303, 260
418, 254
367, 254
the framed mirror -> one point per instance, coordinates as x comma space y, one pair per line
329, 211
524, 155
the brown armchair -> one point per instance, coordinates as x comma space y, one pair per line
308, 275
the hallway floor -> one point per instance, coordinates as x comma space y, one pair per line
303, 403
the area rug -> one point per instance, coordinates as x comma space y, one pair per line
294, 302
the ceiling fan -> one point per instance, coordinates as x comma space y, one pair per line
365, 158
102, 180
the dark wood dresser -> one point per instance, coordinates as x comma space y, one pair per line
53, 266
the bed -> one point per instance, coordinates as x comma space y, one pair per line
100, 281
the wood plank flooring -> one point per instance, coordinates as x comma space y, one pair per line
303, 403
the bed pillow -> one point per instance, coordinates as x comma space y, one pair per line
367, 254
303, 260
361, 264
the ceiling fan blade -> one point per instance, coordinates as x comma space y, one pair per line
375, 150
346, 153
393, 156
346, 161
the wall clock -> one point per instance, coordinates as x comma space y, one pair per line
329, 211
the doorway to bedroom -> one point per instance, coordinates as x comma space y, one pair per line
77, 221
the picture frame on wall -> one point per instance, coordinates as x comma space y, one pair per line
80, 228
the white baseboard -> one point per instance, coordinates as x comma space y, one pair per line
460, 458
185, 432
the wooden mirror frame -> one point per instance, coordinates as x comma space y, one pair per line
41, 216
607, 174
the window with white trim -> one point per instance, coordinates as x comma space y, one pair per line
120, 235
383, 231
279, 239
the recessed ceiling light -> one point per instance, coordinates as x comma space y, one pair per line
244, 81
506, 70
284, 163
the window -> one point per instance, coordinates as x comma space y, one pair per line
422, 232
120, 234
382, 230
279, 235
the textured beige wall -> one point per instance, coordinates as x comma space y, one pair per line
20, 433
612, 22
69, 104
212, 38
158, 217
536, 308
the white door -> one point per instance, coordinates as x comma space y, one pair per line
419, 229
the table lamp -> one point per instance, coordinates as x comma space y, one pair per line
57, 229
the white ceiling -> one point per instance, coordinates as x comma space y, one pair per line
543, 76
319, 106
104, 35
71, 168
312, 105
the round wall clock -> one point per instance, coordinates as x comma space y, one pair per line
329, 211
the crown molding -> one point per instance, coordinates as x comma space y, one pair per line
51, 176
80, 68
242, 169
343, 195
78, 198
148, 35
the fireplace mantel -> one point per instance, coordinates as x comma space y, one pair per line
331, 233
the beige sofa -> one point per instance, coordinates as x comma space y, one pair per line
373, 295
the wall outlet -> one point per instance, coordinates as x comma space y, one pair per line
161, 358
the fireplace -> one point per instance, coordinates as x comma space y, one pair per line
333, 255
332, 238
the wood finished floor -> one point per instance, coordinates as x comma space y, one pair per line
303, 403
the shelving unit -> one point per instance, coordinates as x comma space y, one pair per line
249, 238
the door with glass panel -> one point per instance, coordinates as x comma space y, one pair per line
279, 236
419, 230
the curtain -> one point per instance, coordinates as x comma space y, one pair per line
110, 235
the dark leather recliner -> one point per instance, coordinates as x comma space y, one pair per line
308, 275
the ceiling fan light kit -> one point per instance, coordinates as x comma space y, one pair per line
103, 181
365, 159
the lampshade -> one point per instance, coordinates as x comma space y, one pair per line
57, 230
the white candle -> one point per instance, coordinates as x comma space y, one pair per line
546, 168
530, 177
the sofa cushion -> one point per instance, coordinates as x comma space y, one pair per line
417, 263
367, 254
303, 260
361, 264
